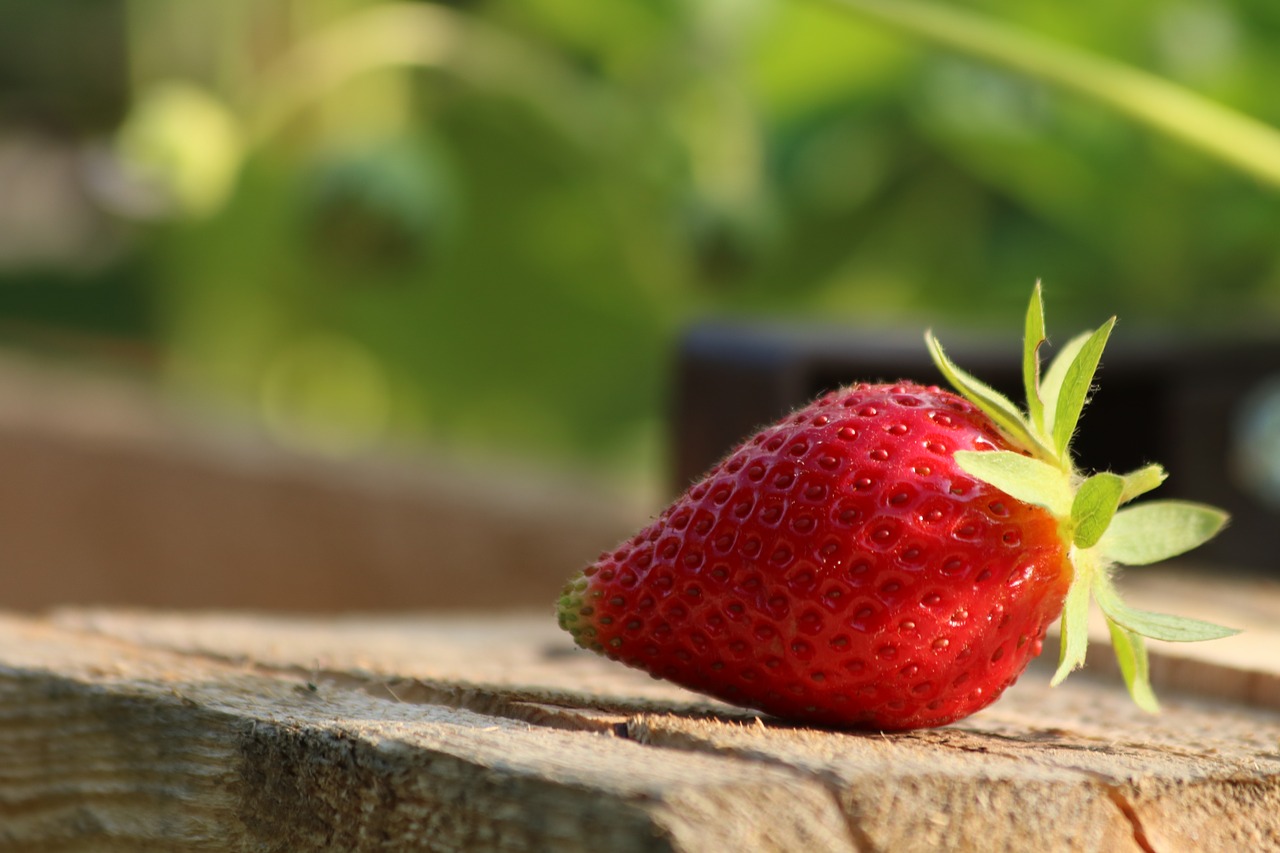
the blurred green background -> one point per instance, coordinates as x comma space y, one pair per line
479, 226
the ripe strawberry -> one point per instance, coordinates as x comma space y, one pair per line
890, 556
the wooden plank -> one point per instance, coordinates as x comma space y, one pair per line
363, 725
1075, 768
172, 510
115, 748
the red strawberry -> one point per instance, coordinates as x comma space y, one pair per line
890, 556
838, 567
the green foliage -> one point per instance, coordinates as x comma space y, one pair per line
507, 210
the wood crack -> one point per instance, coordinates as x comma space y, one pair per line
1126, 808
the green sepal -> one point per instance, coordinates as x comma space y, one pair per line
1021, 477
992, 403
1051, 382
1135, 667
1157, 530
1032, 339
1140, 482
1098, 532
1076, 383
1075, 621
1157, 626
1095, 504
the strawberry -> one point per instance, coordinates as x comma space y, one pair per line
890, 556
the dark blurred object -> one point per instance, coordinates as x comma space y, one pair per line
1208, 411
63, 80
63, 65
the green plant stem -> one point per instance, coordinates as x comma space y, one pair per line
413, 35
1228, 136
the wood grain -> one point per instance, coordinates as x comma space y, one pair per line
183, 731
108, 748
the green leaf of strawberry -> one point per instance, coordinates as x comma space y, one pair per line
1149, 533
1101, 534
1157, 626
1138, 483
1032, 340
1131, 652
890, 556
1055, 376
1094, 506
1074, 641
1023, 477
1077, 381
998, 407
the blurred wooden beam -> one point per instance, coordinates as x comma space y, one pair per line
109, 496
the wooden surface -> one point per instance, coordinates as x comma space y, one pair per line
115, 495
184, 731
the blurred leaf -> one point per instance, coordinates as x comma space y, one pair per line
185, 142
1232, 138
512, 207
814, 56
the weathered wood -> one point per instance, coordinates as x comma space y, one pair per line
111, 747
231, 732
